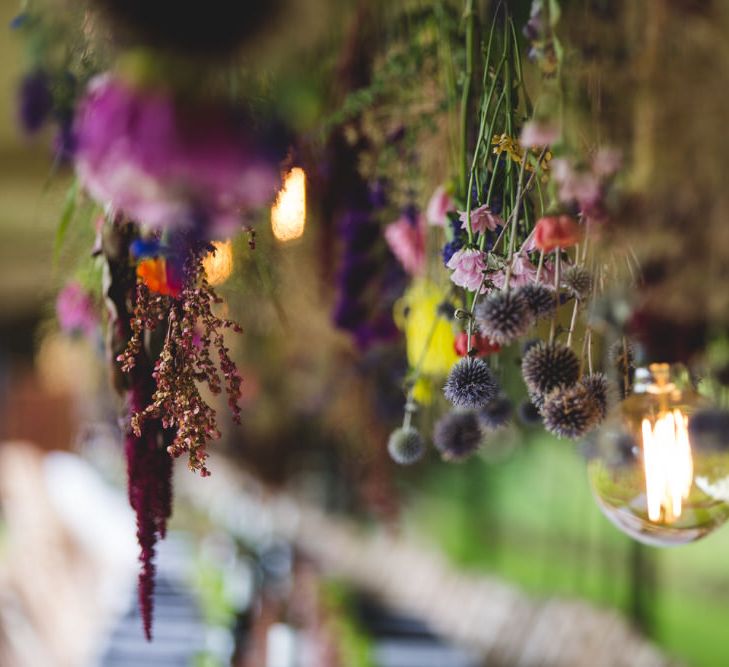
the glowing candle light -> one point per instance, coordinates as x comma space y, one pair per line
218, 265
288, 214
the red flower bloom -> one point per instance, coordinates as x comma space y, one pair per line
481, 344
556, 231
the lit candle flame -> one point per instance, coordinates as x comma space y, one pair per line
288, 214
668, 465
218, 265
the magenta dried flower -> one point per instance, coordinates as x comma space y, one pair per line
167, 164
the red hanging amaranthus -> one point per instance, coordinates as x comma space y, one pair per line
163, 344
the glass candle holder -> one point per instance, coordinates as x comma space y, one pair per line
647, 477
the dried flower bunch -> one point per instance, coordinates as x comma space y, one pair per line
193, 333
518, 223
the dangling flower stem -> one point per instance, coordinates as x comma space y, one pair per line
553, 327
540, 265
410, 408
573, 321
469, 326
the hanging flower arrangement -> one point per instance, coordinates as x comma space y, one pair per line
177, 174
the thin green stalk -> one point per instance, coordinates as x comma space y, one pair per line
479, 140
513, 220
470, 18
517, 59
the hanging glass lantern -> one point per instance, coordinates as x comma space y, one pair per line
647, 477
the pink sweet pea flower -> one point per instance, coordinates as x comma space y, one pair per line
75, 310
468, 266
523, 272
482, 218
406, 239
438, 206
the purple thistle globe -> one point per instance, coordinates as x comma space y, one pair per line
598, 388
457, 435
470, 384
503, 316
406, 446
569, 412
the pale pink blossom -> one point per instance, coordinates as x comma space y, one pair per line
583, 187
482, 219
606, 162
438, 206
539, 133
523, 272
75, 310
406, 239
468, 265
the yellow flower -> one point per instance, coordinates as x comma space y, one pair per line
423, 391
429, 336
503, 143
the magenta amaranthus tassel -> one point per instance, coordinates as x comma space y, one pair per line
149, 475
160, 374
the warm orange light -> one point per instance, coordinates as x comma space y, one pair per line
668, 465
218, 265
288, 214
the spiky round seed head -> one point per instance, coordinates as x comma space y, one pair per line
529, 413
599, 390
622, 357
549, 365
470, 384
406, 446
540, 299
495, 413
578, 281
503, 316
569, 412
536, 399
457, 435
